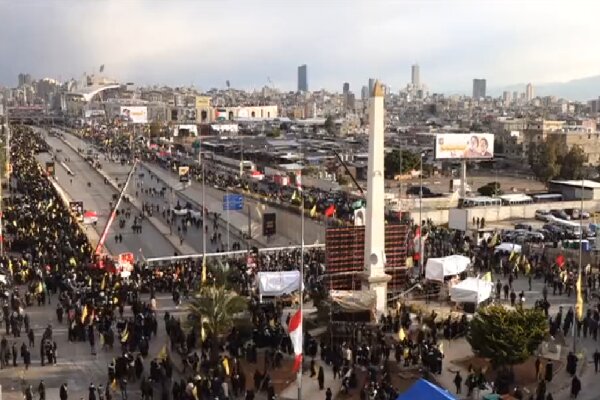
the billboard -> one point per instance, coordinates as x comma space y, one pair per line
184, 173
134, 114
94, 113
269, 224
458, 146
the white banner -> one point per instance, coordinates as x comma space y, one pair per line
134, 114
460, 146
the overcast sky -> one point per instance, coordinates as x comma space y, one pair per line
205, 42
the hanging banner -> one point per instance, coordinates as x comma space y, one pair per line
50, 169
125, 262
184, 173
76, 208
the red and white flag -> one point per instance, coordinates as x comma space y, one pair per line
299, 180
296, 336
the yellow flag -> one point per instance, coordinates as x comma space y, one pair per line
40, 288
163, 353
226, 366
113, 385
401, 334
103, 284
313, 211
84, 314
295, 196
125, 334
579, 299
203, 269
487, 276
441, 347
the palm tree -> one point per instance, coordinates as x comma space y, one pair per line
213, 309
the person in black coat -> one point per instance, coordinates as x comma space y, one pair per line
575, 387
321, 378
63, 392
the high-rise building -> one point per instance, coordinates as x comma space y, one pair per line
529, 92
346, 88
415, 76
371, 85
364, 93
302, 78
478, 89
506, 97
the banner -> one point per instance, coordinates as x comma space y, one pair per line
125, 262
202, 101
458, 146
76, 208
50, 169
134, 114
184, 173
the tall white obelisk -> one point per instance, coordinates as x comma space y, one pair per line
374, 274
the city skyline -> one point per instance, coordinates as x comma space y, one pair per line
149, 43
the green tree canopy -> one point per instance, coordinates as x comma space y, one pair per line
544, 160
507, 337
213, 309
572, 165
397, 162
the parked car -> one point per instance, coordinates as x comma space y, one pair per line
542, 215
526, 227
574, 213
560, 214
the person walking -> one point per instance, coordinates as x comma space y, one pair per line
42, 390
596, 360
575, 387
321, 378
63, 392
458, 381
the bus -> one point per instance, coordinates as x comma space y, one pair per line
481, 201
547, 197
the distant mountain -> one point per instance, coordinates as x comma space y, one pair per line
583, 89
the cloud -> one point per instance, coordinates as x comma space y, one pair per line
207, 42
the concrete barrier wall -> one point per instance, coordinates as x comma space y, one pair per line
503, 213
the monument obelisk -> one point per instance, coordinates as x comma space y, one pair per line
374, 277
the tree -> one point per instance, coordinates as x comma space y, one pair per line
329, 125
343, 180
490, 189
572, 165
274, 133
397, 162
507, 337
544, 160
213, 309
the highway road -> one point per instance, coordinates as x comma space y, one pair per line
287, 222
97, 197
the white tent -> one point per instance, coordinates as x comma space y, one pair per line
278, 283
509, 247
437, 268
471, 290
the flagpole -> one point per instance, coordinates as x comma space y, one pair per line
579, 280
301, 288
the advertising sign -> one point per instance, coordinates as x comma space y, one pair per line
459, 146
94, 113
125, 262
269, 224
184, 173
202, 101
76, 208
134, 114
50, 169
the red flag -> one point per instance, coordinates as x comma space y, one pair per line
296, 336
330, 211
560, 260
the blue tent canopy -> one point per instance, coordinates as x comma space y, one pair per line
425, 390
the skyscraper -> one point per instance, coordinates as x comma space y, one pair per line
371, 85
364, 93
529, 92
415, 77
302, 79
478, 89
346, 88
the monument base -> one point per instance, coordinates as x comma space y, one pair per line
377, 283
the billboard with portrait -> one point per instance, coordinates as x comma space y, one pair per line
134, 114
458, 146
